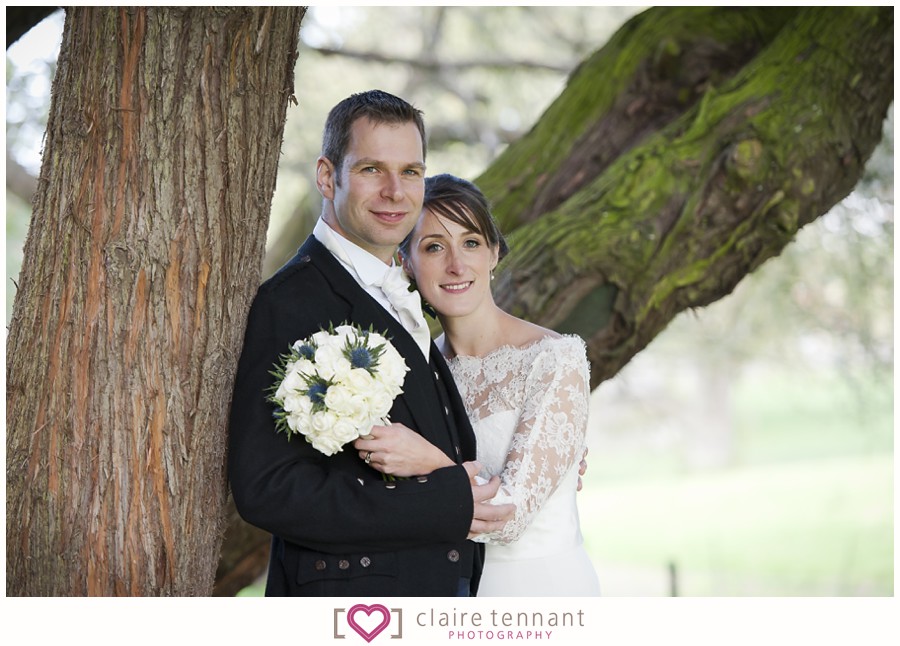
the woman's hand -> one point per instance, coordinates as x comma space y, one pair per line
397, 450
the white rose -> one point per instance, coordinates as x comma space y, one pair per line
298, 421
323, 421
345, 402
304, 367
325, 444
344, 331
292, 382
346, 431
376, 339
293, 402
320, 338
331, 363
379, 402
391, 367
359, 380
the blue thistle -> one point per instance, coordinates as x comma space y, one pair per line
307, 351
360, 357
316, 392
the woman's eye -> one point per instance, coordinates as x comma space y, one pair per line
433, 247
472, 244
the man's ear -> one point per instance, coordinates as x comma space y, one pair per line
325, 177
404, 262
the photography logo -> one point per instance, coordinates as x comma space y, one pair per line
368, 621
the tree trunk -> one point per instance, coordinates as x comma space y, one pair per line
624, 213
141, 261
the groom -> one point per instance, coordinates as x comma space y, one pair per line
339, 529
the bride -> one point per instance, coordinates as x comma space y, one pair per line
525, 389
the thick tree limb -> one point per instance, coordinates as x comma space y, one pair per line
678, 220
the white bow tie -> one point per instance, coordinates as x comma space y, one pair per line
395, 285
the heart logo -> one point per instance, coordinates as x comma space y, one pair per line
366, 634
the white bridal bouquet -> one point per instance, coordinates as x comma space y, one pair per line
334, 386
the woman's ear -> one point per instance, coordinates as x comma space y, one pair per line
325, 177
495, 256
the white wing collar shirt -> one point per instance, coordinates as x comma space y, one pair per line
389, 285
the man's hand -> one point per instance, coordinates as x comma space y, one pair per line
487, 517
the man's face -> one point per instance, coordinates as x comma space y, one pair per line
379, 196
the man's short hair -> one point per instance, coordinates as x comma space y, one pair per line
376, 105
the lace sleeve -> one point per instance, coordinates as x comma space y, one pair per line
549, 437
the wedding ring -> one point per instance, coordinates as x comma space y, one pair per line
368, 457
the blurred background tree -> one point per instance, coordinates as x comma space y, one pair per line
787, 383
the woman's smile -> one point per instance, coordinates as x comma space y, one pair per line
457, 287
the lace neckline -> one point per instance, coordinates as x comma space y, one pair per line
508, 347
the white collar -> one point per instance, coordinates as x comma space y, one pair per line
369, 268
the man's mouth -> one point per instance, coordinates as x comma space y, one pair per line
389, 216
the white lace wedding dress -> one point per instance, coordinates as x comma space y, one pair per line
529, 409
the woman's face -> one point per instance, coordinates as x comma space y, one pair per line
451, 265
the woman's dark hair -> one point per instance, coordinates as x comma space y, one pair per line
462, 202
376, 105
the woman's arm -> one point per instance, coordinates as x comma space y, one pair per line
549, 438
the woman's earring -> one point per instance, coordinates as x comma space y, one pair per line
492, 274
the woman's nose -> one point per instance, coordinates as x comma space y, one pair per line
454, 262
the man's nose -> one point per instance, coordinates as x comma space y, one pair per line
392, 188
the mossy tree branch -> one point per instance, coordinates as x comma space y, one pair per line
678, 219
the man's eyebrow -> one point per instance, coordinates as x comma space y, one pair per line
367, 161
371, 161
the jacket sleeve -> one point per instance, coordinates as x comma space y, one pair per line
331, 504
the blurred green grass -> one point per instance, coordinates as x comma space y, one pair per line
810, 529
805, 508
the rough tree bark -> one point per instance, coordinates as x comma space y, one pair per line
143, 255
680, 156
